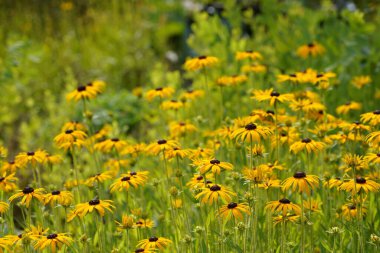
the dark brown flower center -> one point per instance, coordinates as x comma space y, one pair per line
52, 236
299, 174
306, 140
232, 205
55, 192
2, 179
378, 154
352, 207
139, 223
274, 94
270, 112
199, 178
357, 122
215, 188
202, 57
11, 162
293, 75
125, 179
160, 142
159, 89
81, 88
182, 123
115, 139
214, 161
133, 173
94, 202
153, 239
347, 103
208, 182
376, 112
311, 45
28, 190
320, 75
284, 201
139, 250
248, 51
19, 236
360, 180
70, 131
250, 126
31, 153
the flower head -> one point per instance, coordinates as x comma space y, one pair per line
234, 210
300, 182
200, 62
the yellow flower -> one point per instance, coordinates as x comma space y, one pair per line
287, 218
300, 182
198, 181
98, 178
306, 105
272, 96
162, 92
200, 62
357, 161
3, 207
313, 205
360, 81
144, 223
28, 194
172, 105
74, 125
53, 241
270, 183
350, 211
93, 205
373, 158
126, 181
82, 92
111, 145
64, 198
283, 205
126, 223
255, 174
70, 138
312, 49
251, 132
214, 165
4, 245
233, 210
211, 195
35, 232
31, 157
333, 182
178, 152
192, 94
373, 138
347, 107
308, 145
202, 152
248, 54
255, 68
53, 159
11, 166
373, 118
7, 182
231, 80
161, 145
359, 185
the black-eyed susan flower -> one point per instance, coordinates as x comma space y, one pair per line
127, 222
200, 62
231, 80
64, 198
359, 185
201, 153
300, 182
347, 107
28, 194
82, 92
161, 92
211, 194
173, 104
306, 105
285, 218
198, 181
313, 205
161, 145
101, 206
254, 68
144, 223
213, 165
360, 81
35, 232
153, 242
283, 205
270, 183
192, 94
98, 178
3, 207
10, 167
373, 158
97, 85
372, 118
31, 157
350, 211
312, 49
114, 144
307, 145
252, 132
70, 138
233, 210
355, 161
52, 159
373, 138
248, 54
74, 125
125, 182
53, 241
181, 128
178, 152
4, 245
142, 250
255, 175
7, 182
272, 96
333, 182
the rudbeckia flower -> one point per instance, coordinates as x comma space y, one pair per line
126, 223
360, 81
312, 49
373, 118
125, 182
53, 241
213, 165
82, 92
283, 205
231, 80
200, 62
70, 138
248, 54
64, 198
28, 194
192, 94
7, 182
161, 145
93, 205
300, 182
144, 223
251, 132
3, 207
308, 145
272, 96
211, 195
360, 185
162, 92
172, 105
153, 243
10, 166
254, 68
286, 218
31, 157
99, 178
234, 210
373, 158
347, 107
114, 144
350, 211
